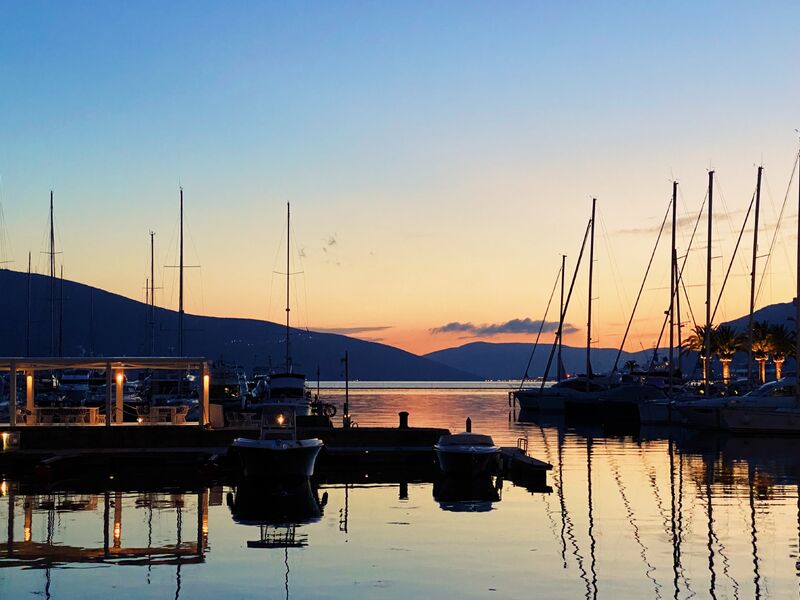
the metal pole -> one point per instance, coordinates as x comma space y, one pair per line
288, 254
561, 319
672, 285
52, 281
180, 288
61, 315
346, 417
28, 323
707, 341
152, 296
797, 299
589, 311
753, 281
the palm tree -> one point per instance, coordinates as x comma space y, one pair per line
761, 348
782, 345
696, 342
726, 342
631, 365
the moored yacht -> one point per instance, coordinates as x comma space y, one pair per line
467, 454
277, 454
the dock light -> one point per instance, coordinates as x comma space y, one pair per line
119, 378
280, 419
139, 419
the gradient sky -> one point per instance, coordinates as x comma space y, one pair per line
439, 157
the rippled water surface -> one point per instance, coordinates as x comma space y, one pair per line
640, 514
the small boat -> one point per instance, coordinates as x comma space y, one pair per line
277, 454
467, 454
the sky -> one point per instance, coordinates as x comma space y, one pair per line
438, 157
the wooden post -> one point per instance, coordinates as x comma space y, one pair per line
120, 382
109, 383
12, 394
206, 390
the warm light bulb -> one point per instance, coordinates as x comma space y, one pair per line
119, 378
280, 419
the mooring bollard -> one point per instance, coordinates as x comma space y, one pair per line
403, 419
469, 425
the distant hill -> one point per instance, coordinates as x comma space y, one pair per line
96, 322
508, 360
782, 313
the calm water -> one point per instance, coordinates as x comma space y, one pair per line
655, 514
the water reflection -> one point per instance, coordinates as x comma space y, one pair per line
649, 513
467, 494
721, 488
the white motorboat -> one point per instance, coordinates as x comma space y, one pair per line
277, 454
467, 454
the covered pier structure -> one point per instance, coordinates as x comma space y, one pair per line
114, 368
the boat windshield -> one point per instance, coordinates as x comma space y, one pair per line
466, 439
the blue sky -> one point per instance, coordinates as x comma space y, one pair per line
421, 136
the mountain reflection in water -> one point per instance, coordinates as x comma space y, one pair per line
651, 513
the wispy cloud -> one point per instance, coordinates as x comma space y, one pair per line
526, 325
682, 222
351, 330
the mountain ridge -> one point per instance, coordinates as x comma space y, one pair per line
97, 322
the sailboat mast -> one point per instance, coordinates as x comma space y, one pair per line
753, 280
288, 256
677, 275
152, 296
797, 299
672, 284
561, 320
28, 322
589, 310
180, 287
707, 340
61, 314
52, 281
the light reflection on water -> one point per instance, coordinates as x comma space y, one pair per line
655, 514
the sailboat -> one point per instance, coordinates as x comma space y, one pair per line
286, 387
575, 389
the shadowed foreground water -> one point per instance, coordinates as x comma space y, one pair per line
644, 514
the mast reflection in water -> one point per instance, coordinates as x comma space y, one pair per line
649, 514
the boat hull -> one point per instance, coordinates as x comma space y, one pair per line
475, 462
748, 420
276, 459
